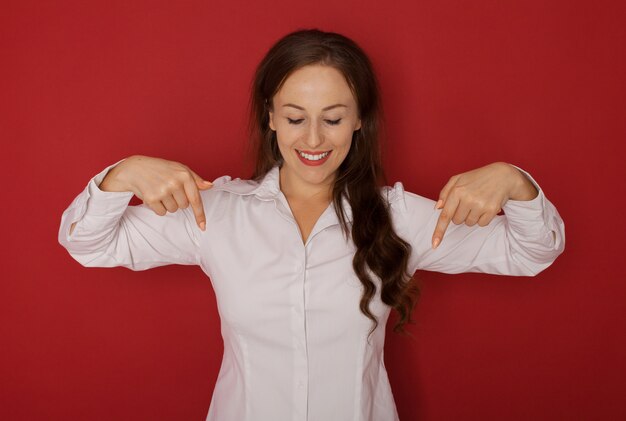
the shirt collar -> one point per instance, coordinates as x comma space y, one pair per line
269, 189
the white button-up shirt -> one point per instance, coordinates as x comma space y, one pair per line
295, 340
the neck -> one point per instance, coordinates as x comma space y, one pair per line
297, 189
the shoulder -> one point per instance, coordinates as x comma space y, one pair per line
410, 212
264, 188
226, 196
236, 186
403, 201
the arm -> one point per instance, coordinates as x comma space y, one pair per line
523, 242
99, 229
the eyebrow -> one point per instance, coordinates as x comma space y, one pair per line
330, 107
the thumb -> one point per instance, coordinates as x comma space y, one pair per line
204, 184
200, 182
443, 195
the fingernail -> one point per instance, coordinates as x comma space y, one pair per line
202, 226
207, 182
438, 204
436, 242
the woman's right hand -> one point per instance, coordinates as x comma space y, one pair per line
161, 184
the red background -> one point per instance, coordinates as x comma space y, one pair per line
465, 83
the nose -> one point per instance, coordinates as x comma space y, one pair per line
314, 137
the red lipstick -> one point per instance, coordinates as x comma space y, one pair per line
311, 154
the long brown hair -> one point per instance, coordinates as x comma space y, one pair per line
360, 175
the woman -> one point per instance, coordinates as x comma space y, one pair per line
309, 256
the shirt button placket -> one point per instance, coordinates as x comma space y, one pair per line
299, 329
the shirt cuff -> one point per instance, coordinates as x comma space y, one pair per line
101, 202
537, 217
526, 209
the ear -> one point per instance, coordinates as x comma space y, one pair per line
272, 121
358, 125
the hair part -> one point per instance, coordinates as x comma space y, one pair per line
360, 175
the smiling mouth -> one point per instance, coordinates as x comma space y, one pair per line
313, 157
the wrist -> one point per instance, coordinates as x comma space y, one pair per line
523, 189
114, 180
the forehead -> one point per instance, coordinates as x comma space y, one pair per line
315, 85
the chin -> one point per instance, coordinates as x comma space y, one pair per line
315, 175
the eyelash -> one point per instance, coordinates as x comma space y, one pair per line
331, 122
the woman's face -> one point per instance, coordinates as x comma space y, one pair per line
314, 116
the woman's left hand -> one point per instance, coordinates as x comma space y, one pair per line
476, 196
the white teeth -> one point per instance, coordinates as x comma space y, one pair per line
314, 157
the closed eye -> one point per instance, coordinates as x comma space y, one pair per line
300, 120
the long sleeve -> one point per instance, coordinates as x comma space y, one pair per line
110, 233
522, 242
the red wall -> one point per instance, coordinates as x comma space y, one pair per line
535, 83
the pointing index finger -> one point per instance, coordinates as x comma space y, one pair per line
195, 200
444, 220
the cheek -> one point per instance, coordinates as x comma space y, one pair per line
285, 141
343, 139
291, 137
